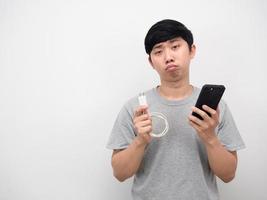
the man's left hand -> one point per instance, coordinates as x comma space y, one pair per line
206, 127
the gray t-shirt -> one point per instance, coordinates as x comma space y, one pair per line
174, 166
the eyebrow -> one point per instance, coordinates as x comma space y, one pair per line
175, 39
157, 46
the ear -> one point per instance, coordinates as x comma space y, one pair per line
193, 51
150, 62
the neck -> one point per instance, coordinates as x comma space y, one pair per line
175, 90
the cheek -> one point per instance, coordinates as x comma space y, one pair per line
186, 56
155, 63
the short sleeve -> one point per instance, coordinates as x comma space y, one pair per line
122, 133
227, 130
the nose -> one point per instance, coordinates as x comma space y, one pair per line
168, 56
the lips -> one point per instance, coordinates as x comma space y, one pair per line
171, 68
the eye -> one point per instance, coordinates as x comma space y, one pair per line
158, 52
175, 46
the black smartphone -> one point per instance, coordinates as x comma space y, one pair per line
210, 95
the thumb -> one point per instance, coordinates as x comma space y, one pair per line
141, 110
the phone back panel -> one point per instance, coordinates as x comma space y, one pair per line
210, 95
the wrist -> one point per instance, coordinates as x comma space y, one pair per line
139, 142
213, 142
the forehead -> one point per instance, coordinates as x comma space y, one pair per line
161, 44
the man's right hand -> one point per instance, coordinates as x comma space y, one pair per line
143, 124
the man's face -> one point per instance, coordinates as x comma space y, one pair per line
171, 59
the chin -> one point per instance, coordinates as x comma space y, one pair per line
172, 79
175, 76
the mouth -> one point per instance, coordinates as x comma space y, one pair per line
171, 68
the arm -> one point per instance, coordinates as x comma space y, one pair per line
222, 162
125, 163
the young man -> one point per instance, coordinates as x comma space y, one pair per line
182, 164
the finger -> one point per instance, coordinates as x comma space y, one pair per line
145, 130
196, 120
197, 128
142, 118
145, 123
147, 137
140, 110
218, 111
203, 114
194, 125
210, 110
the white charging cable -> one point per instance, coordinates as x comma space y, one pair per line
143, 102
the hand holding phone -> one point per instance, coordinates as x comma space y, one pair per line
210, 95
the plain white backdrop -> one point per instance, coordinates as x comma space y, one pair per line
67, 67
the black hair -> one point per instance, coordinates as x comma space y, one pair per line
166, 30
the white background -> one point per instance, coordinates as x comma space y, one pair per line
67, 67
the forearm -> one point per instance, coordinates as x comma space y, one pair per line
222, 162
126, 162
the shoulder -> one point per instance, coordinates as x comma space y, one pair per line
224, 111
223, 107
